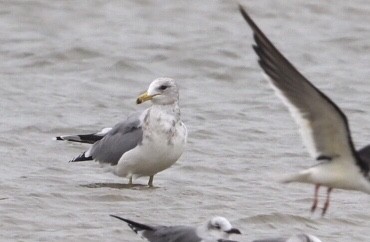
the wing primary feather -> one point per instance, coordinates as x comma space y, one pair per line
81, 138
134, 225
319, 118
81, 157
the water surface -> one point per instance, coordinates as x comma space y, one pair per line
77, 66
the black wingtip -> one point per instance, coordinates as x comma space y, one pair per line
242, 10
133, 225
118, 217
58, 138
246, 16
81, 157
256, 30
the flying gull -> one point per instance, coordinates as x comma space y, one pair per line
294, 238
217, 229
144, 144
323, 125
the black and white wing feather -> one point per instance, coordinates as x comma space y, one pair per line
85, 138
324, 127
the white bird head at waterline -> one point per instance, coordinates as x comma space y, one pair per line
162, 91
217, 229
323, 125
146, 142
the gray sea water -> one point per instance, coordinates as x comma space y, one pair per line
71, 67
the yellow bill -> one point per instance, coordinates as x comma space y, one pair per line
144, 97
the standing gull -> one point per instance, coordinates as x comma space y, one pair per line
324, 127
147, 142
294, 238
217, 229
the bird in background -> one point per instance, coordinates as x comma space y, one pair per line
146, 142
216, 229
323, 125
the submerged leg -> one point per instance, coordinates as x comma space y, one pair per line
315, 199
326, 205
150, 183
130, 181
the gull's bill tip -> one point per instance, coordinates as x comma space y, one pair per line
144, 97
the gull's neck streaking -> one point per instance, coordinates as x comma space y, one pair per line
162, 111
163, 117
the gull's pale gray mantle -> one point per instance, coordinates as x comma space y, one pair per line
324, 127
144, 144
217, 229
294, 238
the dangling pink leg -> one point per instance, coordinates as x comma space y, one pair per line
315, 199
326, 205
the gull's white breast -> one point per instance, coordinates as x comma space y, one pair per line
339, 173
163, 143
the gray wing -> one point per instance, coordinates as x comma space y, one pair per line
163, 233
320, 120
121, 138
172, 234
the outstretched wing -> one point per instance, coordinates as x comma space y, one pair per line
323, 126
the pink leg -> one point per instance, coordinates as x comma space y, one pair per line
316, 198
327, 201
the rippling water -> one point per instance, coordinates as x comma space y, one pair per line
77, 66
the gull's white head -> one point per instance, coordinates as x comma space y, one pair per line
220, 227
162, 91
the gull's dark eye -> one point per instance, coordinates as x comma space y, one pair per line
163, 87
217, 226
